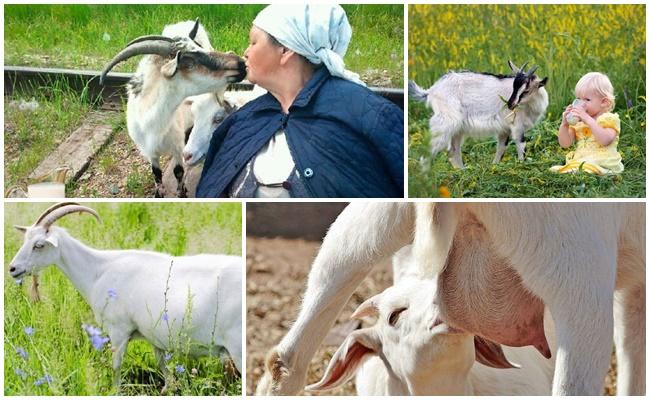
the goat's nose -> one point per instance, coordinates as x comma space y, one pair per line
12, 269
187, 156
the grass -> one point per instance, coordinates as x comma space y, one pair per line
88, 36
30, 135
60, 349
457, 37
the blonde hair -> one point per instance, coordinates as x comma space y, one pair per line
600, 83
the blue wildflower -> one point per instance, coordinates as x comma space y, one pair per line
165, 316
29, 331
112, 293
22, 374
21, 352
91, 330
180, 369
19, 282
95, 335
45, 379
168, 356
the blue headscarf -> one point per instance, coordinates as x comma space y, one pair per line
320, 33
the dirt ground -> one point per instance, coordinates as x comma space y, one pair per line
276, 274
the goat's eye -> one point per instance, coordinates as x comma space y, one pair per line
394, 316
39, 245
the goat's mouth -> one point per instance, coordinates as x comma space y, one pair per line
16, 273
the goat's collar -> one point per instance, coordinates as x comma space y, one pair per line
268, 102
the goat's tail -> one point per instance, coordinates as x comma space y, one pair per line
417, 93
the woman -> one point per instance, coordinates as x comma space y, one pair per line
318, 132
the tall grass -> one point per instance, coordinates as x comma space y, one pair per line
59, 348
88, 36
566, 41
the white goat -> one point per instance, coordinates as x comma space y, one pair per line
469, 104
572, 257
411, 351
208, 112
179, 64
141, 293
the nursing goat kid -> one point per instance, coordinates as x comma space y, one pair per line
412, 350
470, 104
141, 293
178, 64
580, 261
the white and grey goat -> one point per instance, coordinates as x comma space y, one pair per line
208, 112
470, 104
178, 64
412, 350
142, 293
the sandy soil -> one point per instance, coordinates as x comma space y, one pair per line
276, 275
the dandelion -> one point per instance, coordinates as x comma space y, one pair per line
45, 379
21, 352
180, 369
112, 293
443, 191
22, 374
29, 331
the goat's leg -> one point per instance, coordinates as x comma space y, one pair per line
119, 342
629, 337
502, 145
455, 155
158, 178
162, 364
363, 235
179, 173
520, 143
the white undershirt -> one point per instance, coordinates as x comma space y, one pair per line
274, 163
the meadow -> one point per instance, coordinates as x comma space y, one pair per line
47, 352
565, 41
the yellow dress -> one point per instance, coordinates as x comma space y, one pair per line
589, 155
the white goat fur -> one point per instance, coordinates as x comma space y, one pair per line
572, 256
157, 114
147, 288
422, 361
208, 113
467, 104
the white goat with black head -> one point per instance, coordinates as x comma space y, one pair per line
144, 294
178, 64
470, 104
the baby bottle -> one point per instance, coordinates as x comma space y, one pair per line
571, 118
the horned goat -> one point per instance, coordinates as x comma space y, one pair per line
208, 112
178, 64
469, 104
141, 293
411, 351
570, 258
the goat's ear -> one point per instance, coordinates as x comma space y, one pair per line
21, 229
358, 346
52, 240
491, 354
543, 82
170, 68
513, 67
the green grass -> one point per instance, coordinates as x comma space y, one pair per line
30, 136
59, 348
530, 178
88, 36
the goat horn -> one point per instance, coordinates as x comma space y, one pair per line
532, 70
60, 212
52, 208
523, 67
161, 47
195, 29
149, 37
